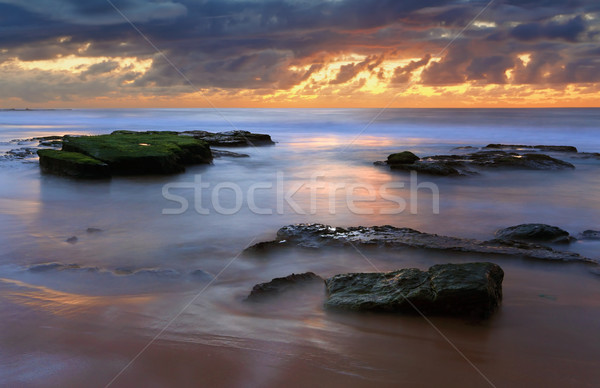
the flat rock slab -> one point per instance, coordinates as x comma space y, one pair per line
315, 236
547, 148
228, 154
235, 138
279, 286
471, 289
467, 164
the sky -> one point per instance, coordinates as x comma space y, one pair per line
299, 53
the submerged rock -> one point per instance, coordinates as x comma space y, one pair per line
21, 153
279, 286
72, 240
588, 155
589, 235
46, 267
232, 138
535, 233
472, 289
431, 168
315, 236
229, 154
201, 275
197, 275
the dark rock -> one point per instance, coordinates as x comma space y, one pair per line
47, 138
588, 155
529, 161
72, 240
21, 153
589, 235
279, 286
232, 138
124, 271
316, 236
460, 165
72, 164
405, 157
229, 154
540, 233
52, 143
555, 148
93, 230
508, 146
472, 289
158, 272
464, 148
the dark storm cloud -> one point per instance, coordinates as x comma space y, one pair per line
253, 44
568, 31
100, 68
351, 70
402, 74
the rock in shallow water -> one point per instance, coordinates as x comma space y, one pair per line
405, 157
137, 153
315, 236
535, 233
590, 235
72, 164
472, 289
549, 148
461, 165
278, 286
232, 138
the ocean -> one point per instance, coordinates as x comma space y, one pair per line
144, 275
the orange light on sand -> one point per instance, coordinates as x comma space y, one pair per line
61, 303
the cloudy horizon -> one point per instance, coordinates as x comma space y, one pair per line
302, 53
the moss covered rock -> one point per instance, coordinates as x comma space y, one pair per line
135, 153
72, 164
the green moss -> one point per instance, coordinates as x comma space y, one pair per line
142, 152
72, 164
74, 157
113, 146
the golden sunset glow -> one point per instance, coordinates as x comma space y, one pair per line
181, 55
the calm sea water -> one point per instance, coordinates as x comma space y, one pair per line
70, 327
